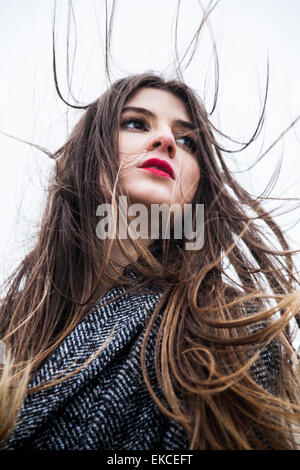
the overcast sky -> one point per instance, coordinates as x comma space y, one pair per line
247, 33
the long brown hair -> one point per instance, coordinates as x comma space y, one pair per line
214, 327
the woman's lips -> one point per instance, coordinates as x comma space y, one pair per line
158, 167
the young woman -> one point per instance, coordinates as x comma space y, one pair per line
143, 343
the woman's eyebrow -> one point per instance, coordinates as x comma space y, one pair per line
144, 111
149, 114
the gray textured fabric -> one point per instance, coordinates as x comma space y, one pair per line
106, 405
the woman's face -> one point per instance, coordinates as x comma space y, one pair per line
156, 125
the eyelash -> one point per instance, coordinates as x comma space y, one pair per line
190, 143
141, 122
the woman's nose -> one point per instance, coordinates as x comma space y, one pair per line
164, 143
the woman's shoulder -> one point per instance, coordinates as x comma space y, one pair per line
100, 368
114, 321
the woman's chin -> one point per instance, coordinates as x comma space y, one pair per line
147, 199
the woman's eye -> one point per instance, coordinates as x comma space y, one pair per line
187, 142
138, 124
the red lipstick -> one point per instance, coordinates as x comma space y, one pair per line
158, 167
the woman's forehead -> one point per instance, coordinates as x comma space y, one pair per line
159, 102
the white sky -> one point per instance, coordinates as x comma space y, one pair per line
246, 31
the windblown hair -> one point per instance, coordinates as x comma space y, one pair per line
214, 325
